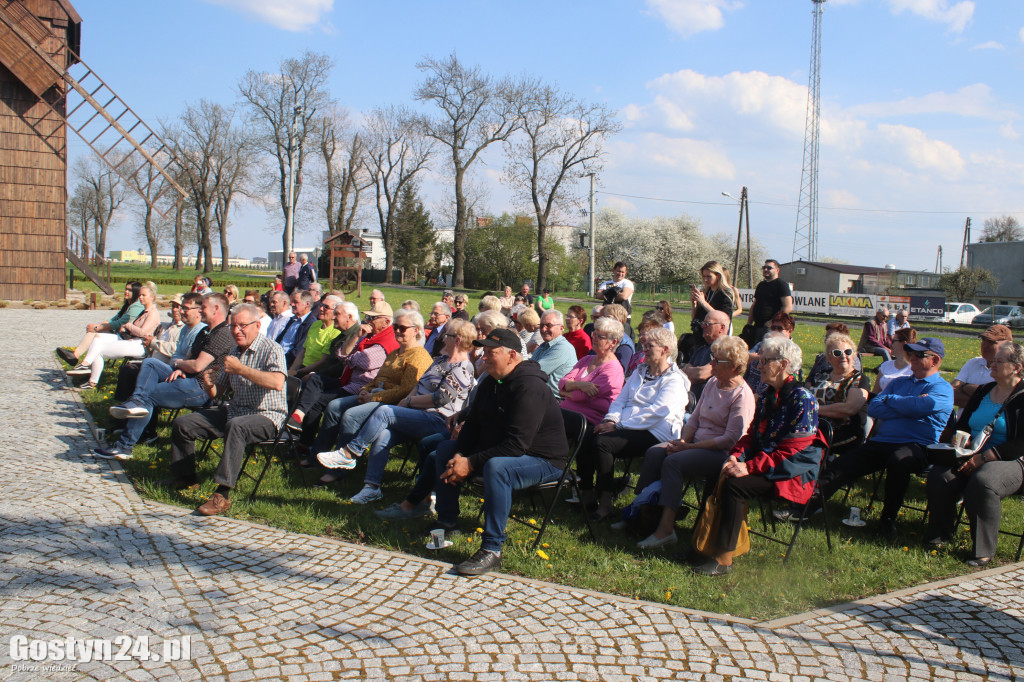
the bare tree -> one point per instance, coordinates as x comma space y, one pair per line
346, 175
103, 193
214, 158
295, 95
1002, 229
475, 111
561, 142
148, 183
396, 151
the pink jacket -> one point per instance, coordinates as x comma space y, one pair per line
608, 378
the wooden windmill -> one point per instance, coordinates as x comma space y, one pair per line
45, 88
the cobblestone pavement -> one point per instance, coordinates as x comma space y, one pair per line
83, 556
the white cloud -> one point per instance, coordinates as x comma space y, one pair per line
289, 15
957, 16
694, 157
609, 201
1021, 34
971, 100
915, 147
687, 17
989, 45
1007, 131
751, 94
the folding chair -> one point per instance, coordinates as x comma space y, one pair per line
767, 509
284, 438
568, 478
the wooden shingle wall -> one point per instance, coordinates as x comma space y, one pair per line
33, 177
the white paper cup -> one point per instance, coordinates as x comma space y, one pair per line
101, 434
960, 439
437, 538
854, 514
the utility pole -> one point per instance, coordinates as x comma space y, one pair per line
593, 241
967, 240
744, 210
938, 261
289, 227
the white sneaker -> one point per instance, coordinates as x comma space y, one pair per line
367, 494
336, 459
79, 370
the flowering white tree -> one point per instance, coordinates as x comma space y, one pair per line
660, 249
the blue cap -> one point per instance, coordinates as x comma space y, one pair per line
928, 343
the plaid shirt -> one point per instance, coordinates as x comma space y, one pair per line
248, 398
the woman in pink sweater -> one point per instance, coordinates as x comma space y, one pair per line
590, 387
722, 416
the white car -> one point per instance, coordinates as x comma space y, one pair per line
959, 313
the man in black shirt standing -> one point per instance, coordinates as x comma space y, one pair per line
773, 295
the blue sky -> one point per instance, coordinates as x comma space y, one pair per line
921, 99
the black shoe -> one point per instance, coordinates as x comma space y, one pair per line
67, 356
294, 425
483, 561
887, 529
113, 452
177, 483
712, 568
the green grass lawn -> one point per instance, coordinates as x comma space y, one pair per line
760, 587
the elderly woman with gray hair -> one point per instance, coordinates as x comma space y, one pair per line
722, 416
778, 457
649, 410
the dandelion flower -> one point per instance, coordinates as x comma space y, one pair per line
542, 554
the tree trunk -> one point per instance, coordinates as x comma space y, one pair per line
542, 254
179, 228
461, 229
151, 236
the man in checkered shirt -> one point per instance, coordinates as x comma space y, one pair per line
257, 406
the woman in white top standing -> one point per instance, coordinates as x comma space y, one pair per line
899, 366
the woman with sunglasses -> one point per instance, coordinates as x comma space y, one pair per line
717, 294
782, 324
899, 366
995, 471
438, 394
842, 394
398, 375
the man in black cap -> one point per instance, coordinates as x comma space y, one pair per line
513, 436
912, 411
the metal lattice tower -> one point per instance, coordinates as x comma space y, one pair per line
805, 238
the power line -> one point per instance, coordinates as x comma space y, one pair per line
822, 208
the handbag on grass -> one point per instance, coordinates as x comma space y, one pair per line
706, 528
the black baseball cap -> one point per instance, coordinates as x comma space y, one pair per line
505, 338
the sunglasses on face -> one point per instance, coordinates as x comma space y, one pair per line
402, 328
919, 353
840, 352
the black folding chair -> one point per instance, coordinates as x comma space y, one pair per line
798, 518
284, 442
567, 479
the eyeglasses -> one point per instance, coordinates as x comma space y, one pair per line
707, 324
764, 360
191, 307
243, 325
840, 352
720, 361
450, 336
327, 308
550, 324
918, 353
401, 328
604, 337
767, 267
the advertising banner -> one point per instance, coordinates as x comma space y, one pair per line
924, 306
823, 303
854, 305
895, 303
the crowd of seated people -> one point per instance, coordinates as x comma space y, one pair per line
467, 392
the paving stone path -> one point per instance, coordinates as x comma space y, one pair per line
83, 556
